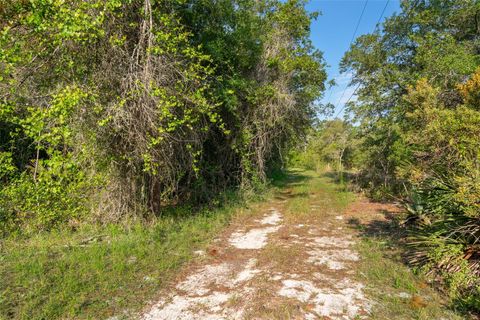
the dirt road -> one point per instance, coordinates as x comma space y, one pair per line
273, 264
313, 251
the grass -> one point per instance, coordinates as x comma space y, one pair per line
397, 291
310, 188
96, 273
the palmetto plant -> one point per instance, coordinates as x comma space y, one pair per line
416, 209
448, 246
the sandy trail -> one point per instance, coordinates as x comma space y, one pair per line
272, 268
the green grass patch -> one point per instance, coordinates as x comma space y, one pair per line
98, 272
318, 189
398, 292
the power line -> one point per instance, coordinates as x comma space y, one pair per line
381, 16
351, 96
358, 86
358, 22
329, 96
351, 41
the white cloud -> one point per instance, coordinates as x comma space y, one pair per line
343, 79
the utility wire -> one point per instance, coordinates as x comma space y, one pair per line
381, 16
358, 22
330, 95
351, 41
351, 96
358, 86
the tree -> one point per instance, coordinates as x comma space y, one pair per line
118, 108
418, 112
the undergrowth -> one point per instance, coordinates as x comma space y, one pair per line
101, 271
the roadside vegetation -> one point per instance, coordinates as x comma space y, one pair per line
98, 272
115, 110
413, 135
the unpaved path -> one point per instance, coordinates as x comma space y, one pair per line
273, 265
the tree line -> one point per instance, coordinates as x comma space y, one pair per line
111, 109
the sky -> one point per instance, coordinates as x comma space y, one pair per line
332, 33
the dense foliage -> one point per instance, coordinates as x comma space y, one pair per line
418, 116
330, 145
112, 109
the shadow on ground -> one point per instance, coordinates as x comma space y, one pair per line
387, 226
337, 177
287, 179
380, 221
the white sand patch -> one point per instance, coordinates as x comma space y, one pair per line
332, 242
344, 304
195, 299
187, 308
345, 283
339, 217
272, 219
197, 284
332, 265
310, 316
335, 305
333, 259
254, 239
301, 290
404, 295
276, 277
248, 273
257, 238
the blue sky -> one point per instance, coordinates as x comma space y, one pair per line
333, 31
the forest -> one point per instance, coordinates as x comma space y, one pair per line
112, 109
124, 117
